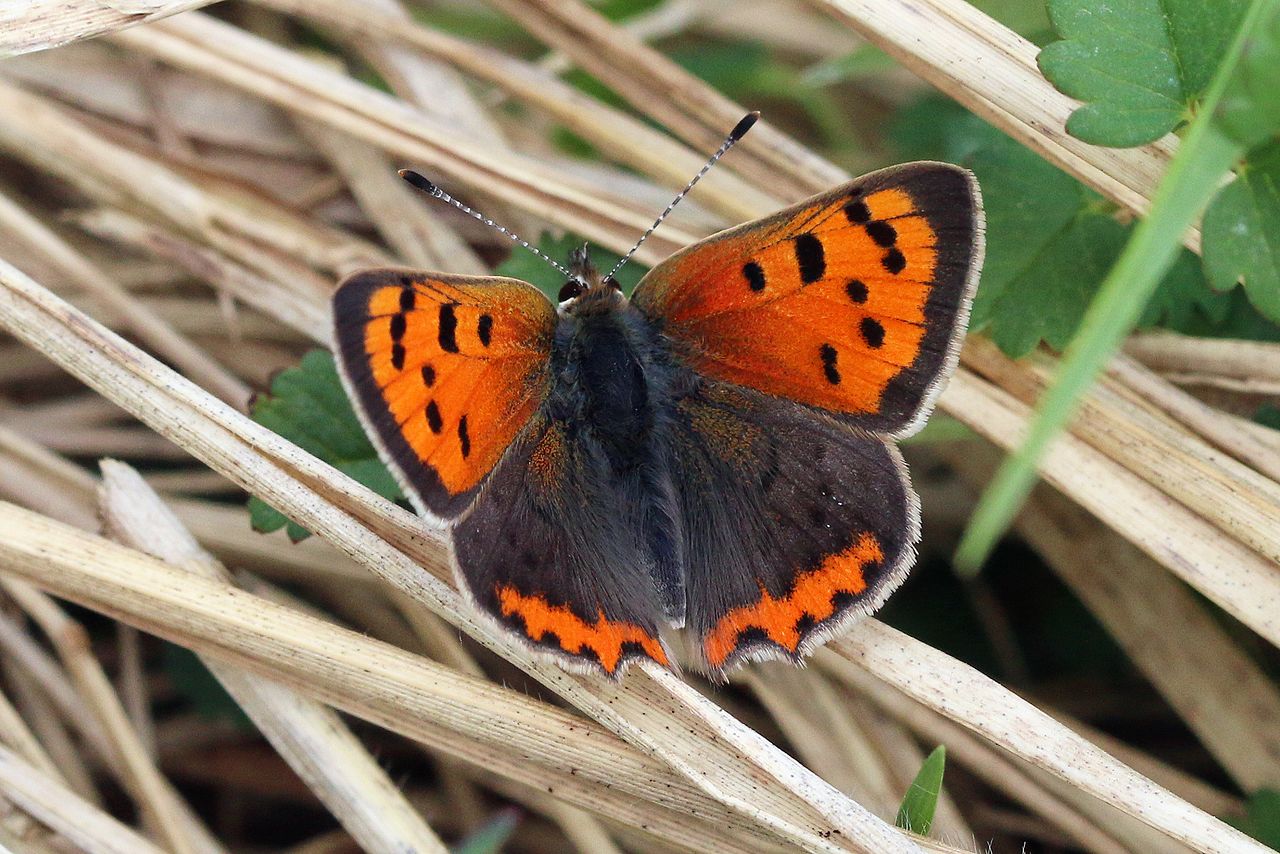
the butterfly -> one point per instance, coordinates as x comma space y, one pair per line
715, 452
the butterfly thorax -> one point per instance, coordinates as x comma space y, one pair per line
608, 376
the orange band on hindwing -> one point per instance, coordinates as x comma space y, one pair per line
816, 596
604, 640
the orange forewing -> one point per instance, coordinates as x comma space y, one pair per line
834, 300
448, 370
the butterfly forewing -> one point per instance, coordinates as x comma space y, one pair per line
446, 371
852, 301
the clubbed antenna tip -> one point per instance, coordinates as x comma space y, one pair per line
420, 182
736, 134
741, 128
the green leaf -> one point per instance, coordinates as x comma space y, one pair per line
1184, 298
921, 801
193, 681
867, 61
1189, 183
1025, 17
1050, 240
1139, 65
1268, 416
1250, 111
493, 835
524, 265
308, 406
1262, 817
1241, 232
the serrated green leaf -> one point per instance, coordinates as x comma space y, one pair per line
1250, 111
1241, 232
921, 801
1262, 817
1049, 295
1050, 240
308, 406
1185, 299
1138, 64
1192, 179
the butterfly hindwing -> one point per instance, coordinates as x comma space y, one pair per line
853, 301
553, 550
793, 523
445, 371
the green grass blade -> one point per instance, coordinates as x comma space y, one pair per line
921, 800
1187, 187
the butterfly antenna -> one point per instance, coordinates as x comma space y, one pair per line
738, 132
435, 192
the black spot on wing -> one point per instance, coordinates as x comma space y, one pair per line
428, 376
448, 328
857, 212
398, 326
484, 328
829, 356
407, 298
752, 635
434, 421
810, 257
754, 275
894, 261
882, 233
463, 438
397, 356
872, 332
856, 290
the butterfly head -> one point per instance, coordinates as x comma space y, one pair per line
587, 291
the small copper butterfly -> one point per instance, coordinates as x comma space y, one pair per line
714, 453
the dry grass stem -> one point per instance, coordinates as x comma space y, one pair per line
309, 316
15, 733
664, 91
83, 824
617, 134
993, 767
1221, 694
311, 738
1234, 576
164, 810
42, 24
1161, 452
140, 319
226, 53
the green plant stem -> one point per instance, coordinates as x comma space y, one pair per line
1188, 185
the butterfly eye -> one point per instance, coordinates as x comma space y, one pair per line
571, 289
613, 283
